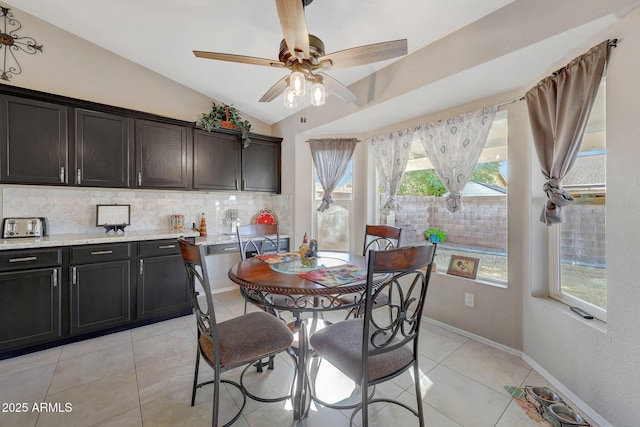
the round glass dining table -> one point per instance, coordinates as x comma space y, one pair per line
283, 283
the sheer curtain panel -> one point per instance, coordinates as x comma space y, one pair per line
453, 147
391, 153
559, 108
331, 157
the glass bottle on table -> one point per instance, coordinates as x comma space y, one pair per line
304, 247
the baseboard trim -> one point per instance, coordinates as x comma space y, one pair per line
588, 411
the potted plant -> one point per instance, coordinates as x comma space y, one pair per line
435, 235
227, 117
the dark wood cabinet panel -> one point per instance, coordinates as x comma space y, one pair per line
216, 161
103, 149
100, 287
33, 141
261, 166
30, 303
162, 155
100, 296
162, 287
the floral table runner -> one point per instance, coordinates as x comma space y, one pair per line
279, 257
336, 276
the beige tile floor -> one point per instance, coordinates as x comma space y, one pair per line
142, 377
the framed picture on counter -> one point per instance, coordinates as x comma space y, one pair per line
113, 215
463, 266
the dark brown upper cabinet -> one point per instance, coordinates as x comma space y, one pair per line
162, 155
220, 163
216, 161
261, 165
103, 149
33, 142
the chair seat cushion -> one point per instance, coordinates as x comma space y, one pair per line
341, 345
247, 338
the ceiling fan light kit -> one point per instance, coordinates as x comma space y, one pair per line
304, 55
290, 98
317, 93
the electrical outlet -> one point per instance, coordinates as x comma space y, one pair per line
468, 300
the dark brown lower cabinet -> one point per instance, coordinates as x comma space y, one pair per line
100, 287
30, 297
100, 296
29, 307
162, 281
51, 296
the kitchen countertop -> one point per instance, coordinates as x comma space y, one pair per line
111, 237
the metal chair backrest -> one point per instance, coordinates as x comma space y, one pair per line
409, 270
258, 238
381, 238
193, 257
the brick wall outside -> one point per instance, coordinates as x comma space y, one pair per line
482, 224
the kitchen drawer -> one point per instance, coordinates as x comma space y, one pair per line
158, 248
100, 253
27, 259
224, 248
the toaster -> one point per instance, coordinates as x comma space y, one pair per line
24, 227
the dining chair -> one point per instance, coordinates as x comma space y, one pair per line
379, 238
372, 350
242, 340
258, 239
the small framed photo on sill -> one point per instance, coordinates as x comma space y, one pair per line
463, 266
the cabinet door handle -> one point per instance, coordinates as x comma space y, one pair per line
244, 184
25, 259
101, 252
141, 266
74, 276
62, 174
230, 248
79, 176
54, 277
139, 179
236, 184
166, 246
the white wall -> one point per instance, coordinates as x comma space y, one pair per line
600, 362
597, 364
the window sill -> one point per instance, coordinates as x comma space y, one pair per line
502, 285
564, 309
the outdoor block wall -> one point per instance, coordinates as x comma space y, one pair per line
482, 224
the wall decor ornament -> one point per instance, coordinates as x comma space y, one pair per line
225, 116
12, 42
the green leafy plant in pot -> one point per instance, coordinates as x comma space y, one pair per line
225, 116
435, 235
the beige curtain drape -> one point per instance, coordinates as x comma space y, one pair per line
453, 146
331, 157
391, 153
559, 107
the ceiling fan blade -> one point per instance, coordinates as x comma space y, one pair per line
337, 88
238, 58
367, 54
275, 90
294, 27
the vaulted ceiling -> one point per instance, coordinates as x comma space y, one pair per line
523, 40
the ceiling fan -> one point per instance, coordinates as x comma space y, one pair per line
304, 55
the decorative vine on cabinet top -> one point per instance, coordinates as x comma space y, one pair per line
54, 140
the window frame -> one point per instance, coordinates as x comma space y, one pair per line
347, 204
554, 235
502, 116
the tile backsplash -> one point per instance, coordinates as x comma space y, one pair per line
73, 210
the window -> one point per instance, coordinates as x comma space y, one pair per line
578, 261
332, 225
480, 230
